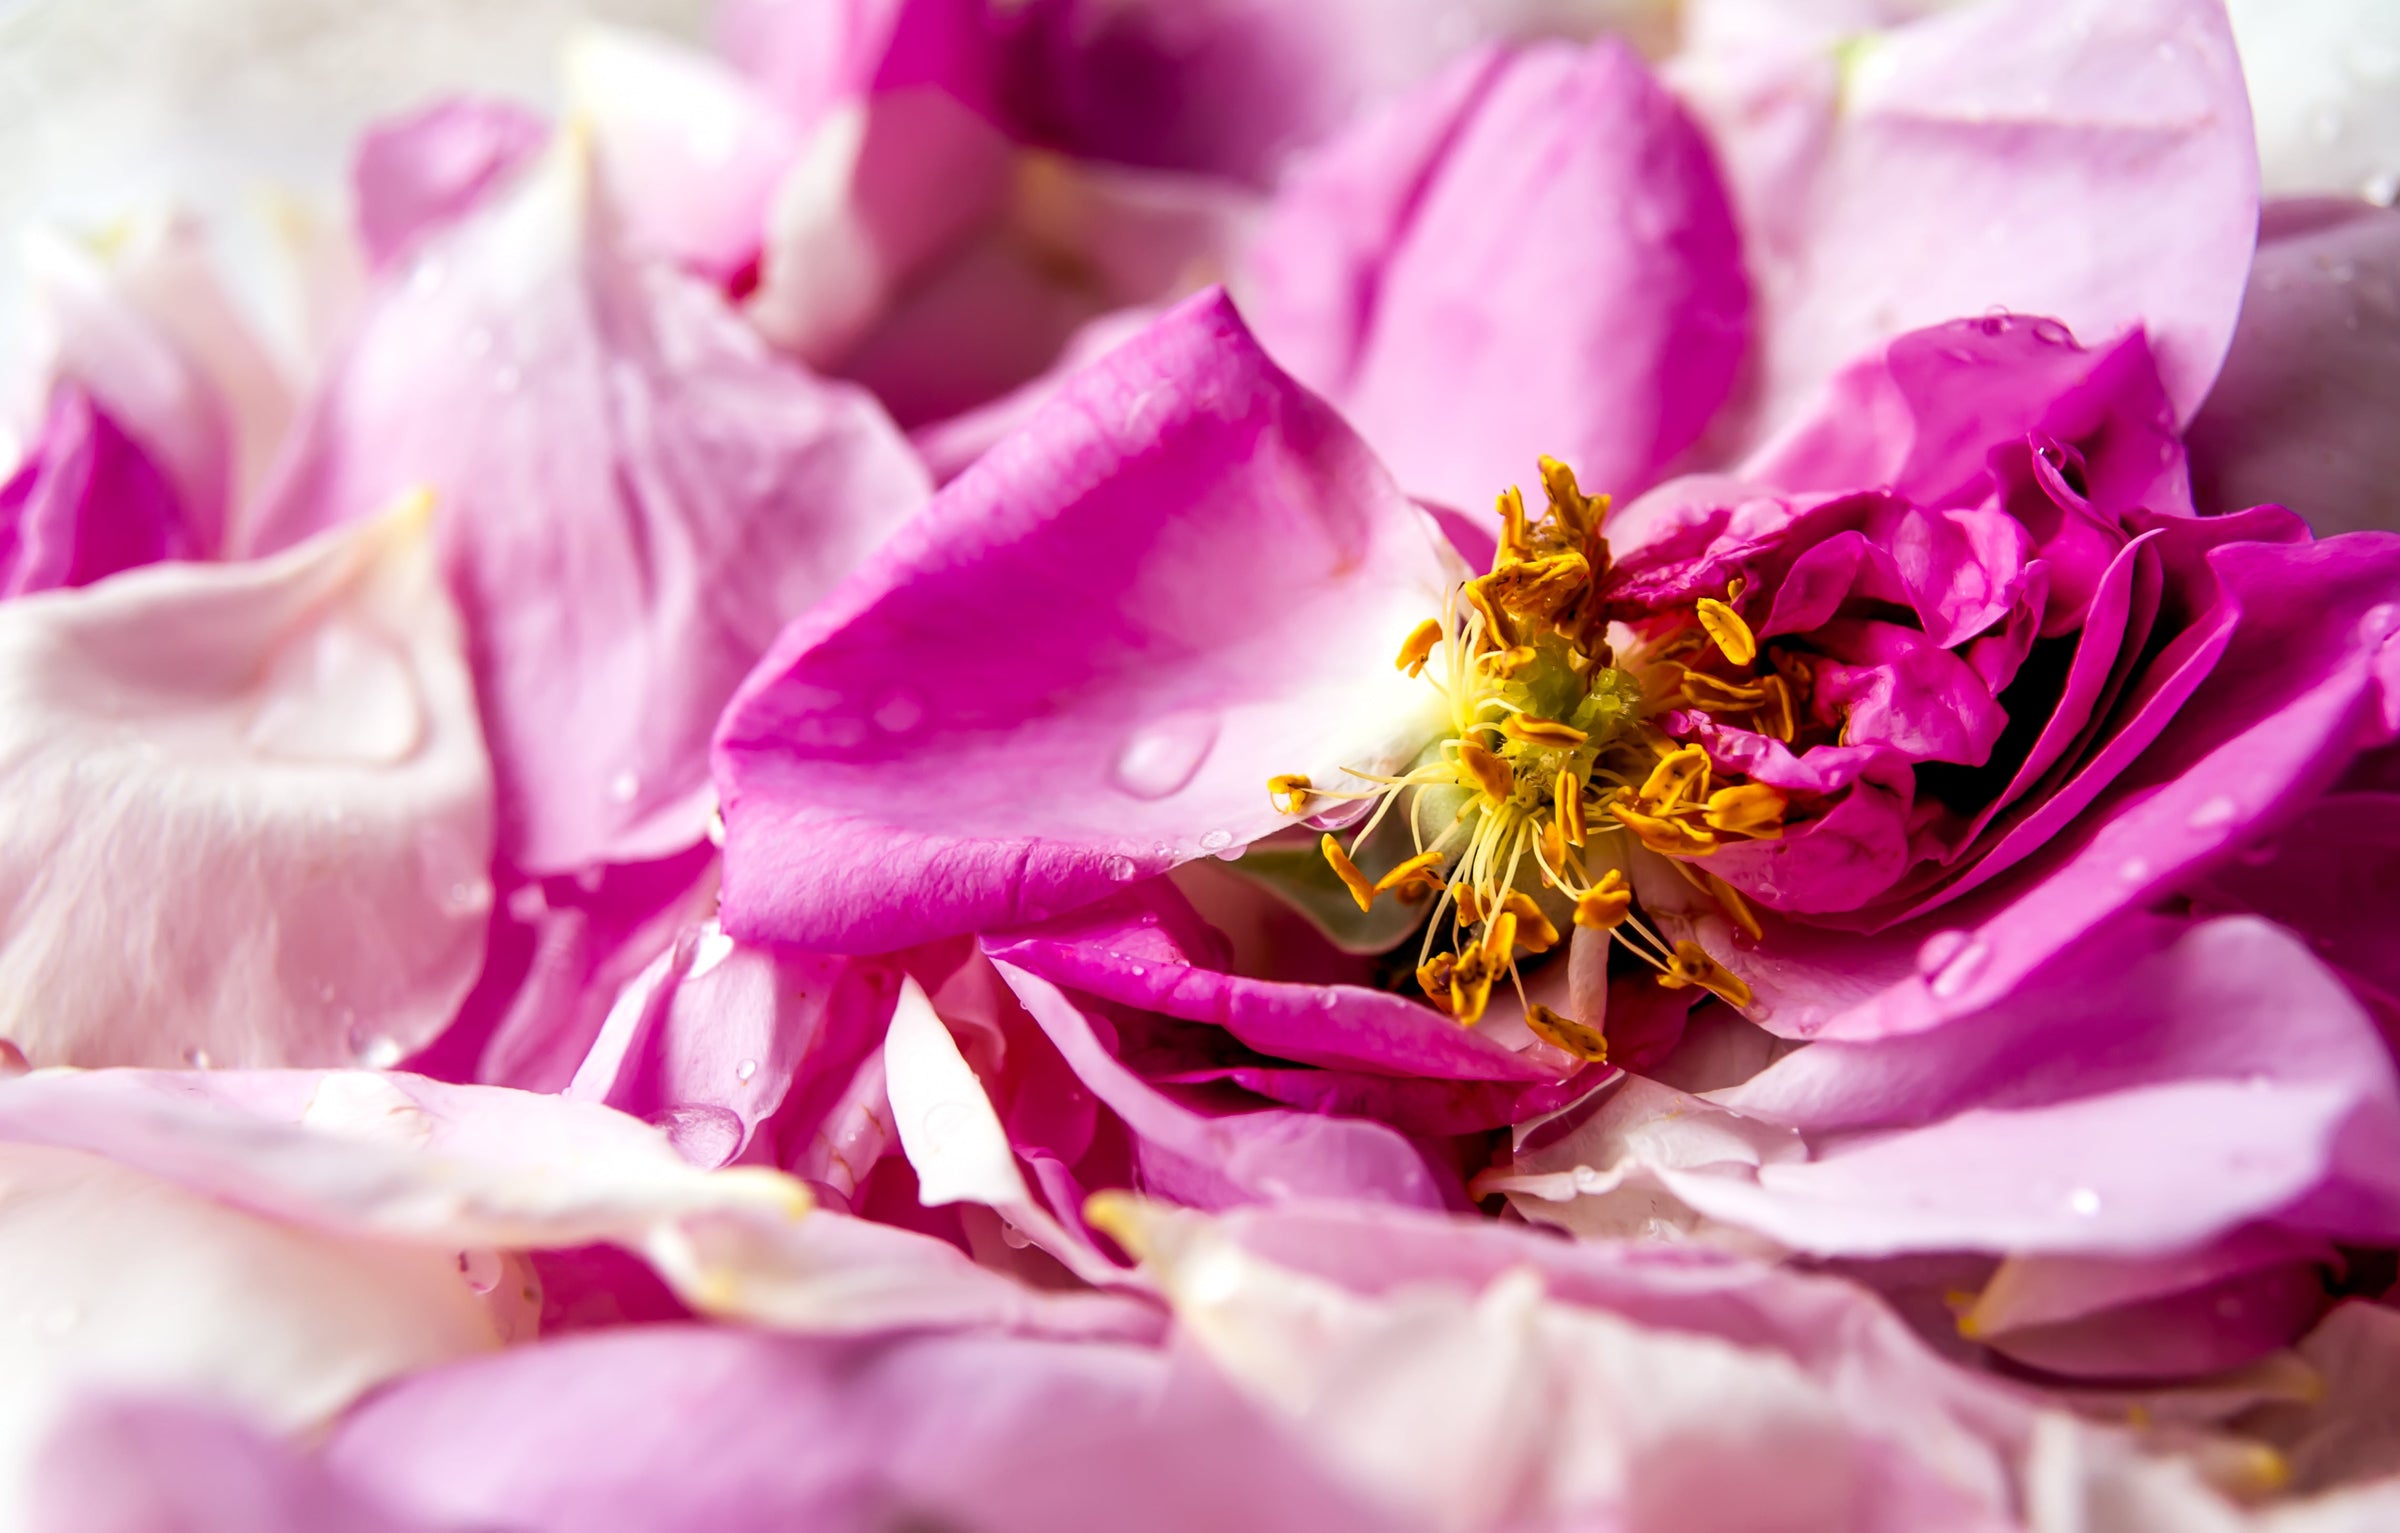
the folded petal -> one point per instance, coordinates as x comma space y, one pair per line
415, 174
85, 502
266, 782
1983, 157
1529, 254
1081, 664
633, 496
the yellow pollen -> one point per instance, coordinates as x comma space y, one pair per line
1691, 966
1668, 837
1565, 1033
1540, 589
1506, 664
1420, 873
1528, 730
1535, 933
1567, 798
1491, 774
1753, 809
1554, 844
1420, 645
1679, 774
1512, 527
1733, 636
1606, 904
1500, 937
1289, 793
1580, 513
1347, 871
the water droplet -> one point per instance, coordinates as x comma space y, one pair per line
2084, 1201
1217, 840
376, 1051
1965, 966
198, 1058
1938, 950
745, 1070
712, 948
1123, 870
1158, 760
337, 692
625, 786
2051, 333
2134, 870
1136, 970
708, 1136
2219, 810
899, 712
2382, 189
481, 1268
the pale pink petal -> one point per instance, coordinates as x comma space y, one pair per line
414, 175
2022, 155
252, 814
633, 497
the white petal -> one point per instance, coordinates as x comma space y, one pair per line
245, 815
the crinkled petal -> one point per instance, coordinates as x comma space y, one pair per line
1085, 659
1531, 254
252, 818
633, 494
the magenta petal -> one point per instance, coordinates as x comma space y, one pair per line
417, 173
1218, 1160
1082, 663
86, 502
1984, 157
1530, 254
633, 496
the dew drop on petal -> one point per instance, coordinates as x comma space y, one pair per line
2218, 811
1123, 870
481, 1268
708, 1136
1216, 840
900, 711
376, 1051
1159, 759
2382, 189
745, 1070
1938, 950
1136, 970
2134, 870
625, 786
198, 1058
2051, 333
2084, 1201
712, 948
1964, 967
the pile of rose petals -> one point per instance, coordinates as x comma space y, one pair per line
643, 894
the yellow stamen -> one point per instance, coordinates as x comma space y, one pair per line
1668, 837
1554, 844
1512, 527
1504, 664
1540, 589
1470, 906
1753, 809
1568, 796
1525, 729
1289, 793
1499, 784
1421, 872
1419, 646
1498, 631
1606, 904
1433, 977
1347, 871
1580, 513
1565, 1033
1690, 966
1500, 938
1679, 774
1725, 625
1535, 933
